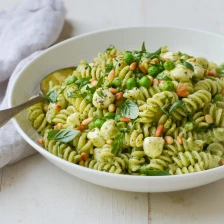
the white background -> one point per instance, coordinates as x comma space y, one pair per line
35, 191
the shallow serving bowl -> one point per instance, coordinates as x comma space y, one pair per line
86, 47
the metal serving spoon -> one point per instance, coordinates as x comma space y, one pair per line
56, 77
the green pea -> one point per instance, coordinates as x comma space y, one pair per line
217, 97
92, 125
89, 98
117, 117
117, 81
145, 82
131, 83
129, 58
153, 71
168, 86
121, 125
99, 123
189, 126
169, 65
109, 115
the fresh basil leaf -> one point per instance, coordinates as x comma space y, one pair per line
163, 76
90, 89
62, 135
118, 144
100, 93
163, 109
76, 94
149, 172
153, 54
187, 64
82, 81
130, 109
143, 47
177, 104
51, 96
109, 67
110, 48
71, 80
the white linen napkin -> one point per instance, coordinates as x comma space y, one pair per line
25, 30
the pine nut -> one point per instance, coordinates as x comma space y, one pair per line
93, 83
142, 68
183, 94
182, 90
87, 121
81, 163
112, 90
109, 142
192, 59
221, 162
58, 107
168, 139
111, 107
155, 61
159, 130
84, 156
111, 75
58, 126
133, 66
125, 119
80, 128
40, 141
118, 96
208, 119
212, 73
180, 140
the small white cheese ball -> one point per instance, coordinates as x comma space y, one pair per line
102, 102
109, 130
95, 138
181, 73
153, 146
74, 119
198, 69
171, 55
96, 154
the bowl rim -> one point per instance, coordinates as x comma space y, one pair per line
58, 160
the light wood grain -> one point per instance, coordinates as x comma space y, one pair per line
35, 191
199, 205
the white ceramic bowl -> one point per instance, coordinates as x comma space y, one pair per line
70, 52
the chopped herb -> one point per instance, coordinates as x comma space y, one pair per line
109, 67
110, 48
163, 109
82, 81
149, 172
62, 135
130, 109
143, 47
187, 64
51, 96
177, 104
163, 76
153, 55
71, 80
76, 94
100, 93
100, 82
118, 144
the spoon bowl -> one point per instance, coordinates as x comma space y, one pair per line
55, 77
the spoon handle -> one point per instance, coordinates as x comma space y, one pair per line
6, 115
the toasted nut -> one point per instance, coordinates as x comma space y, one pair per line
155, 81
208, 119
111, 75
183, 94
192, 59
80, 128
180, 140
125, 119
58, 126
45, 108
109, 142
87, 121
212, 73
168, 139
155, 61
84, 156
93, 83
111, 56
222, 92
81, 163
142, 68
40, 141
111, 107
159, 130
118, 96
112, 90
133, 66
221, 162
182, 90
58, 107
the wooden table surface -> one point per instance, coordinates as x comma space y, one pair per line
34, 191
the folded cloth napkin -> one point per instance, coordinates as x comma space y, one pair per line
25, 31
